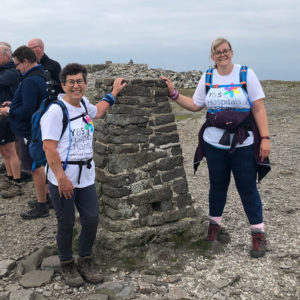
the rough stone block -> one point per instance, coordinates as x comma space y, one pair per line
171, 216
161, 99
145, 210
115, 203
152, 196
180, 186
100, 160
176, 151
115, 192
172, 174
165, 206
124, 211
164, 139
164, 119
133, 139
120, 225
162, 108
168, 128
161, 92
125, 120
128, 100
128, 130
169, 163
127, 109
123, 149
155, 220
123, 179
99, 148
183, 200
134, 90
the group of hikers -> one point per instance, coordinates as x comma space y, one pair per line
234, 138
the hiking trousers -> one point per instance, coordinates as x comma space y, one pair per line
244, 168
86, 202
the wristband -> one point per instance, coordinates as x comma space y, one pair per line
109, 98
265, 137
174, 95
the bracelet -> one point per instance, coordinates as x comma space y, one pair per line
173, 96
265, 137
109, 98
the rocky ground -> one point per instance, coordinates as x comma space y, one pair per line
231, 275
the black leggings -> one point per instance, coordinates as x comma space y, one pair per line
86, 202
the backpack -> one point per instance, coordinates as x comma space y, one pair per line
36, 145
243, 80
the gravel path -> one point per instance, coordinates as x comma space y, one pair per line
275, 276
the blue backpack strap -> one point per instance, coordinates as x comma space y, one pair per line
208, 79
243, 77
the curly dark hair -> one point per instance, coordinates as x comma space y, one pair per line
72, 69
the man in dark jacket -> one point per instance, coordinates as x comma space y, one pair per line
9, 80
31, 91
48, 64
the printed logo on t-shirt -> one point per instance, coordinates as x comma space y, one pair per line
89, 123
232, 90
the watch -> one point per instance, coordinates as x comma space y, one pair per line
8, 112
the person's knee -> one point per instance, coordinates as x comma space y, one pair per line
65, 224
8, 151
90, 223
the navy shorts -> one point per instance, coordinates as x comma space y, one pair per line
6, 134
25, 157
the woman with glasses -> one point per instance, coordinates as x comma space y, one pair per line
235, 137
75, 184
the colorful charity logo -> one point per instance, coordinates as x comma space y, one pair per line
231, 91
89, 123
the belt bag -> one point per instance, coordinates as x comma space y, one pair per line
227, 119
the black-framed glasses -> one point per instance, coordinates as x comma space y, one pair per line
18, 64
225, 52
72, 82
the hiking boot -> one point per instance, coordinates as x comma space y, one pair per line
5, 185
34, 203
70, 273
216, 232
25, 177
86, 270
2, 168
12, 191
259, 244
35, 213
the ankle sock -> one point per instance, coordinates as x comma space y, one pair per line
17, 180
42, 206
10, 177
215, 220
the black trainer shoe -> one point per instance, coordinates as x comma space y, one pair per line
35, 213
259, 244
25, 177
34, 203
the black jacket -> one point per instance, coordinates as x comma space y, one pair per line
9, 80
54, 69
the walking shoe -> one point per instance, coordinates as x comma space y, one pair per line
86, 270
35, 213
12, 191
25, 177
259, 244
70, 273
33, 203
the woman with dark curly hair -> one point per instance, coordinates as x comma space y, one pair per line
73, 184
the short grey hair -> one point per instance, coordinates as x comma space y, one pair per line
6, 49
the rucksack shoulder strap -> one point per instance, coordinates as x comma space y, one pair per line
243, 77
83, 103
65, 112
208, 79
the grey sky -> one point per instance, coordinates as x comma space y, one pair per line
172, 34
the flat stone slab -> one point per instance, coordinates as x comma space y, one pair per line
36, 278
7, 264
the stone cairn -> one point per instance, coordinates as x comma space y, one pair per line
141, 181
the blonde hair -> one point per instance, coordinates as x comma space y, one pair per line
216, 43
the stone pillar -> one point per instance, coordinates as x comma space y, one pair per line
141, 180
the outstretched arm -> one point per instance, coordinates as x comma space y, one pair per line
183, 101
102, 106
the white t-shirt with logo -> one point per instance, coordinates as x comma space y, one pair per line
81, 133
219, 98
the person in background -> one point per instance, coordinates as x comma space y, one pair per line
54, 68
9, 80
75, 184
27, 99
242, 150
